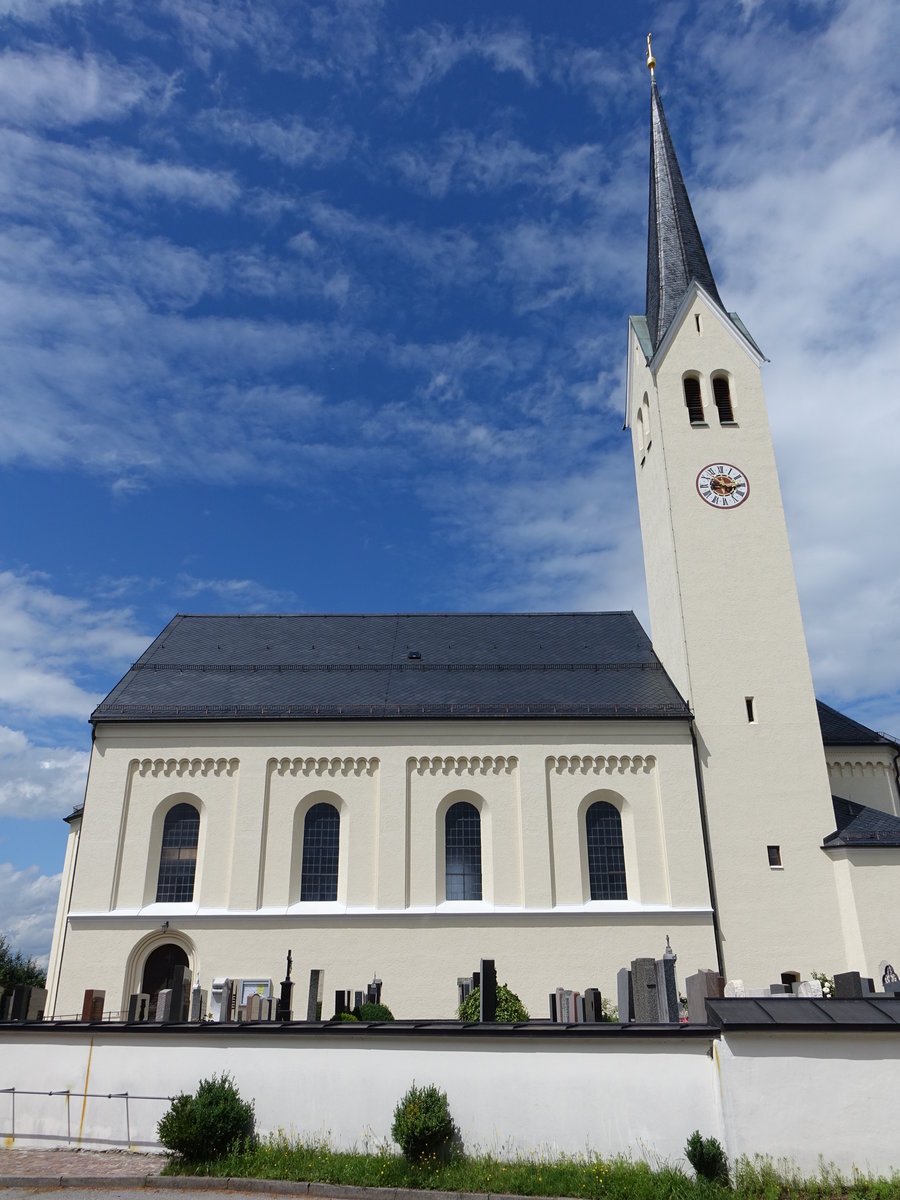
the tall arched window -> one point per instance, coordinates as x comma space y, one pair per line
605, 852
321, 844
722, 395
462, 827
692, 399
178, 855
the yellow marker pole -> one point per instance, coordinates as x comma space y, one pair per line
87, 1080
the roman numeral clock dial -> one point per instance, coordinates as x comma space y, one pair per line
723, 486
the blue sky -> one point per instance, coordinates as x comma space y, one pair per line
322, 306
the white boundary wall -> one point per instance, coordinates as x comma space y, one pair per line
804, 1097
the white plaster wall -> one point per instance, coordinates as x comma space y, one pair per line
522, 1098
812, 1098
392, 784
864, 774
866, 874
726, 623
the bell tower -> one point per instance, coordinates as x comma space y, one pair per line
724, 612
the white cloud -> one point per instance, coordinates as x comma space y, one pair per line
54, 89
48, 644
39, 781
426, 55
28, 904
292, 141
245, 595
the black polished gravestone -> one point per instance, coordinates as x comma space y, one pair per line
593, 1006
5, 999
28, 1003
848, 985
487, 999
180, 1004
138, 1007
341, 1003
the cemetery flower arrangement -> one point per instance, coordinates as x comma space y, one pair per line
826, 981
422, 1123
210, 1123
509, 1007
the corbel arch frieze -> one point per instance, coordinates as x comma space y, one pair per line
185, 768
600, 764
464, 764
858, 767
325, 767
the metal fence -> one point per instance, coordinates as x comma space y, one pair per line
65, 1117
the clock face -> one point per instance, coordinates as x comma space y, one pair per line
722, 485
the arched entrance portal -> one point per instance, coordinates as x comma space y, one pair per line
159, 970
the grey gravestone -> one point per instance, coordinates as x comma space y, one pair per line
19, 1004
892, 988
181, 994
163, 1006
92, 1006
809, 989
700, 987
848, 985
779, 989
220, 999
314, 996
593, 1006
579, 1008
4, 1003
198, 1004
646, 991
463, 987
138, 1004
35, 1005
667, 990
373, 991
868, 986
735, 988
565, 1006
487, 1003
357, 999
625, 996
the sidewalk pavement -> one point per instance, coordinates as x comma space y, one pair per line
51, 1164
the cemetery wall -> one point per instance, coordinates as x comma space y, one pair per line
803, 1096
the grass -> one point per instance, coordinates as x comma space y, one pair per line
279, 1157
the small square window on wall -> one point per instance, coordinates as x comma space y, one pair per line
774, 856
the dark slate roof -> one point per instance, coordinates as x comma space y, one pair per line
471, 665
859, 825
675, 253
879, 1013
840, 730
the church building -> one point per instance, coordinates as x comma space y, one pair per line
405, 794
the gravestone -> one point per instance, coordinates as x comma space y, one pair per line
645, 989
779, 989
253, 1007
314, 996
487, 1001
868, 986
181, 994
734, 988
198, 1003
701, 986
579, 1008
373, 991
341, 1002
27, 1003
887, 974
220, 1000
667, 990
892, 988
37, 1003
285, 1005
5, 998
358, 999
138, 1005
463, 987
625, 995
164, 1006
848, 985
593, 1006
553, 1016
809, 989
92, 1006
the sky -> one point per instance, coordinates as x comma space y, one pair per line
322, 307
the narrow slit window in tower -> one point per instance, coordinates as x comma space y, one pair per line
722, 394
774, 856
751, 710
692, 400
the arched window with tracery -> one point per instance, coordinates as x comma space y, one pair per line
462, 829
321, 848
178, 855
605, 852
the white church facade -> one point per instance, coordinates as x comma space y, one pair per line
406, 794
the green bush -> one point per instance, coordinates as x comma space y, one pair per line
373, 1012
422, 1123
707, 1158
210, 1123
344, 1016
509, 1006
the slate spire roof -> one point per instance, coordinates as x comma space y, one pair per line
675, 253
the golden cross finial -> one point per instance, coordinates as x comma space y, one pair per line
651, 61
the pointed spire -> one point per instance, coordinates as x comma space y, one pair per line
675, 253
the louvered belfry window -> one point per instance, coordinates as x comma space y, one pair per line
605, 852
692, 400
722, 394
178, 855
462, 828
321, 848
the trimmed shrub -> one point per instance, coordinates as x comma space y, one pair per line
210, 1123
422, 1123
344, 1016
509, 1006
373, 1012
707, 1157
